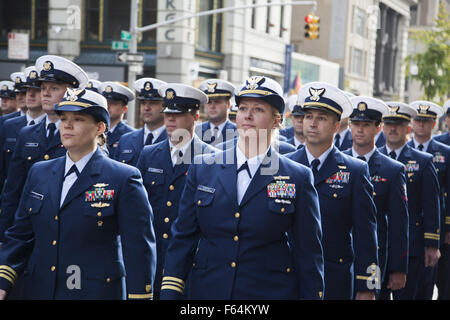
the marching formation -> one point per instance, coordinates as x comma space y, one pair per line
350, 202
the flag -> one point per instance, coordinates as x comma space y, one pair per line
296, 84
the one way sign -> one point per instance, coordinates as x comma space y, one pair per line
126, 57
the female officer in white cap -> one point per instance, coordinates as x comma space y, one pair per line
345, 194
64, 242
117, 96
248, 228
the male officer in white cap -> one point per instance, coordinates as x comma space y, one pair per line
423, 197
19, 80
345, 194
118, 97
297, 115
40, 141
8, 96
164, 165
218, 128
154, 131
445, 137
423, 124
233, 110
94, 85
388, 179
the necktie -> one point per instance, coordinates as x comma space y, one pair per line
337, 140
361, 158
215, 134
51, 130
314, 165
244, 166
31, 123
72, 170
393, 155
179, 157
299, 146
149, 139
420, 147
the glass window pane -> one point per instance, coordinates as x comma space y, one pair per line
117, 18
15, 15
204, 27
357, 61
41, 22
358, 19
149, 16
92, 20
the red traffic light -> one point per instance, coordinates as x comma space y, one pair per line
309, 18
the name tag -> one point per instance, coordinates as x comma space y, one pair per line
155, 170
10, 139
36, 195
127, 151
206, 189
31, 144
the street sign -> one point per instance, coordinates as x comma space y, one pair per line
137, 68
119, 45
125, 35
127, 57
18, 46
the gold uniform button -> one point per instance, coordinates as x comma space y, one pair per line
108, 280
445, 194
199, 202
56, 218
153, 182
31, 209
417, 224
237, 215
53, 268
233, 264
335, 195
166, 220
171, 187
8, 150
46, 157
54, 243
288, 269
29, 158
235, 238
165, 235
123, 161
410, 180
374, 193
282, 210
169, 204
99, 214
437, 169
341, 260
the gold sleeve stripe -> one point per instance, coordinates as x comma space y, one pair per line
169, 287
180, 281
432, 236
2, 275
8, 268
8, 274
371, 278
447, 220
171, 283
141, 296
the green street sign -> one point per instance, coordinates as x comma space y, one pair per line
119, 45
125, 35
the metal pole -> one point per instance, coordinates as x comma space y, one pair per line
132, 49
221, 10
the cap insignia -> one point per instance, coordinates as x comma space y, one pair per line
423, 109
362, 106
254, 82
212, 87
108, 89
316, 94
148, 86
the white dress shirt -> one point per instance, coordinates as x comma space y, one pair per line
397, 151
71, 178
243, 179
155, 133
425, 144
174, 150
47, 122
37, 120
321, 158
366, 156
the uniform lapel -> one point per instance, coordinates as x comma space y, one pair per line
374, 163
55, 186
137, 142
228, 176
87, 177
405, 154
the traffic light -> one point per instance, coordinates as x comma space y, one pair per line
312, 26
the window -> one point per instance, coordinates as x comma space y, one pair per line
282, 28
209, 32
359, 18
253, 21
149, 16
92, 21
268, 23
357, 62
117, 18
24, 15
413, 15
